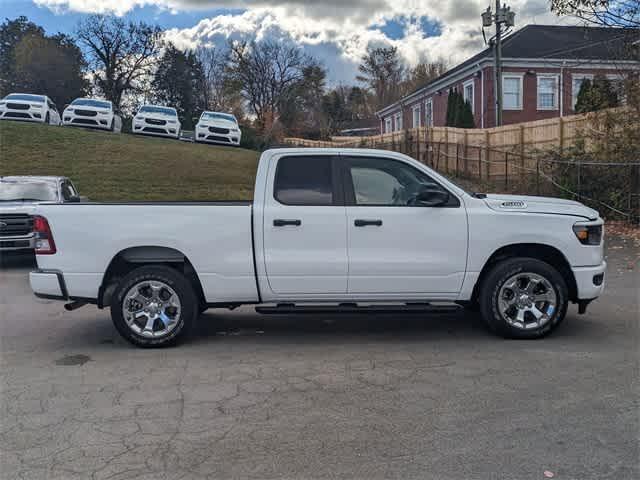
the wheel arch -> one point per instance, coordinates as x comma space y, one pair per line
131, 258
539, 251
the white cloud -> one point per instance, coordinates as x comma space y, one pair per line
336, 31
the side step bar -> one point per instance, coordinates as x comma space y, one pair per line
289, 308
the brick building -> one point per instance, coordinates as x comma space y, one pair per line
543, 68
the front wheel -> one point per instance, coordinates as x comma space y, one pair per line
154, 306
523, 298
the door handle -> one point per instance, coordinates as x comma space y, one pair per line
278, 222
364, 223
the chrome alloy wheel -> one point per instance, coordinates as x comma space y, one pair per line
151, 309
527, 301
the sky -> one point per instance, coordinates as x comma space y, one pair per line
337, 32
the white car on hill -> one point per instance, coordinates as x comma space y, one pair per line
29, 108
92, 113
157, 120
218, 127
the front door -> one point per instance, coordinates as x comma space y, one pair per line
305, 228
396, 246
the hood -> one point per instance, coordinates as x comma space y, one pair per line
160, 116
218, 122
89, 108
549, 205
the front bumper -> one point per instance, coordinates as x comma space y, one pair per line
590, 281
168, 130
23, 242
22, 115
102, 122
48, 284
204, 135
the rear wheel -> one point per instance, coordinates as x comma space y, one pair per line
523, 298
154, 306
47, 119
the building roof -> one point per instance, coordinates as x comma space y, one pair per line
556, 42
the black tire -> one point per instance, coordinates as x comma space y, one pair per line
499, 274
112, 127
46, 119
182, 288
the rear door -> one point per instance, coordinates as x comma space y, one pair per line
394, 245
305, 227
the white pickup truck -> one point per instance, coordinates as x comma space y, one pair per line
328, 230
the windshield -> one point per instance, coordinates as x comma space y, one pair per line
154, 109
88, 102
24, 191
25, 97
218, 116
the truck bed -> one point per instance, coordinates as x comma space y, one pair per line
215, 237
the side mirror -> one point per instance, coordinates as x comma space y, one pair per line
74, 200
195, 119
432, 198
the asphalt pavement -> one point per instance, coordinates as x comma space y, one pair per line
320, 397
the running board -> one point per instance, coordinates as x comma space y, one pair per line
289, 308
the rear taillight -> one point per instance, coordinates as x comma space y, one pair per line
44, 238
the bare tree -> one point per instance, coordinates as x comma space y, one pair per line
382, 71
423, 73
220, 93
608, 13
121, 54
265, 72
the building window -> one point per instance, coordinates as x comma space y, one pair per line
576, 83
467, 91
388, 125
416, 116
428, 113
398, 122
512, 92
548, 92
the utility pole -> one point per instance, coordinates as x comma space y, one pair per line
505, 16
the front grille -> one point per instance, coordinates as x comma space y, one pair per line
153, 121
17, 115
219, 130
18, 106
216, 138
154, 130
85, 121
86, 113
12, 225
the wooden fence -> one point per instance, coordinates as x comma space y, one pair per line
479, 153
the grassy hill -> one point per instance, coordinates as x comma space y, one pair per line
117, 167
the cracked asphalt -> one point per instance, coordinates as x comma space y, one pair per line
345, 397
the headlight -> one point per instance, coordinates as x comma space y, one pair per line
104, 112
139, 119
68, 110
588, 234
36, 106
2, 104
171, 121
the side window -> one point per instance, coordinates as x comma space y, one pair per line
305, 180
383, 182
68, 192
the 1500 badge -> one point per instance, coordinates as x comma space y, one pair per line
514, 204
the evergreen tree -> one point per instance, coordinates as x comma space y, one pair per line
31, 61
467, 116
596, 95
451, 100
179, 83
